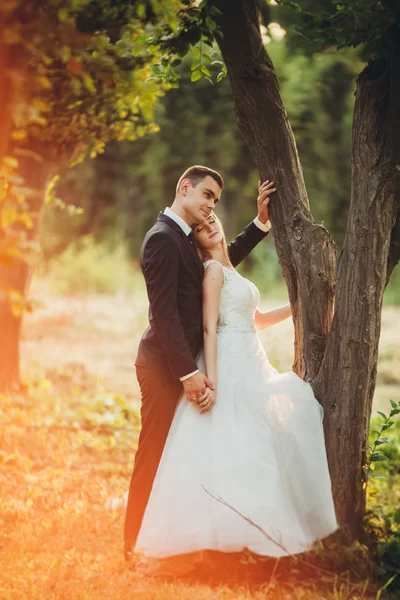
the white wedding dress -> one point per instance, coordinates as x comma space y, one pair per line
260, 449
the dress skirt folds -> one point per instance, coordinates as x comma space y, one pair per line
261, 450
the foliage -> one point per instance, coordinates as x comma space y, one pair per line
382, 465
197, 125
374, 453
81, 85
374, 25
88, 267
70, 86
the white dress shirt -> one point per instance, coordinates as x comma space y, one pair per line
187, 229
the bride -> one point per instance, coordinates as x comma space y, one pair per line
252, 450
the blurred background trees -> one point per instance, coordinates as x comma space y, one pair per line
197, 126
76, 76
71, 81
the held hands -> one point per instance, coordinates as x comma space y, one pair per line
207, 401
200, 390
264, 192
196, 386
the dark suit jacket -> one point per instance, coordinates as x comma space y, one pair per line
173, 273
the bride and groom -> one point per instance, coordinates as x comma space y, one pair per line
218, 421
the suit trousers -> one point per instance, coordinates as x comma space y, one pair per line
160, 394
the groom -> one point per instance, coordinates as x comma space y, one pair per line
166, 365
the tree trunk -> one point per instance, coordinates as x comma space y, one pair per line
305, 249
346, 380
340, 364
5, 95
36, 174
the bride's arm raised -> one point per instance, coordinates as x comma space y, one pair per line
262, 320
212, 284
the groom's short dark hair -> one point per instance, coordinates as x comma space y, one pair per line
197, 173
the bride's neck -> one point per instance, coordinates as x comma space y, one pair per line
217, 254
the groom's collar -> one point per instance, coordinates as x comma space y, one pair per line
182, 224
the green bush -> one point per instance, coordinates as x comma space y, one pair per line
382, 525
87, 266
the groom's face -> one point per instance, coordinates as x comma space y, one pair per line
199, 201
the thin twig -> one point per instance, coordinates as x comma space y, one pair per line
261, 530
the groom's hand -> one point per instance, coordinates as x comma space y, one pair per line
196, 385
264, 192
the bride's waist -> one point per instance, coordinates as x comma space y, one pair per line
227, 329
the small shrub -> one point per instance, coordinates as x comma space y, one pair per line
86, 266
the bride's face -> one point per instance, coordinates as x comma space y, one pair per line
209, 234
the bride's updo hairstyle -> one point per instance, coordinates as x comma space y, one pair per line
203, 252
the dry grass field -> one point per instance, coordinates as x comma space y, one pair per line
66, 453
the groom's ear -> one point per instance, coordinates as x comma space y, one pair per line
185, 183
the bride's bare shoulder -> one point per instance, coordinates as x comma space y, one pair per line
214, 272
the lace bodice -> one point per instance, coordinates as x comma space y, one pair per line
239, 300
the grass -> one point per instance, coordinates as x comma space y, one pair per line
66, 453
66, 456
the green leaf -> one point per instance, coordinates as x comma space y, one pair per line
389, 581
368, 472
63, 14
394, 411
211, 24
215, 11
65, 53
381, 441
141, 10
387, 425
393, 404
382, 414
378, 456
220, 76
206, 71
142, 38
89, 83
196, 75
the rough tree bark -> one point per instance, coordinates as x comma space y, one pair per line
346, 381
305, 249
348, 354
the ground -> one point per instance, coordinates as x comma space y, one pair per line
67, 449
102, 333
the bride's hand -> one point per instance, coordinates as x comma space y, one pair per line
207, 401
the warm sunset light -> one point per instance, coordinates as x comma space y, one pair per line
199, 298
